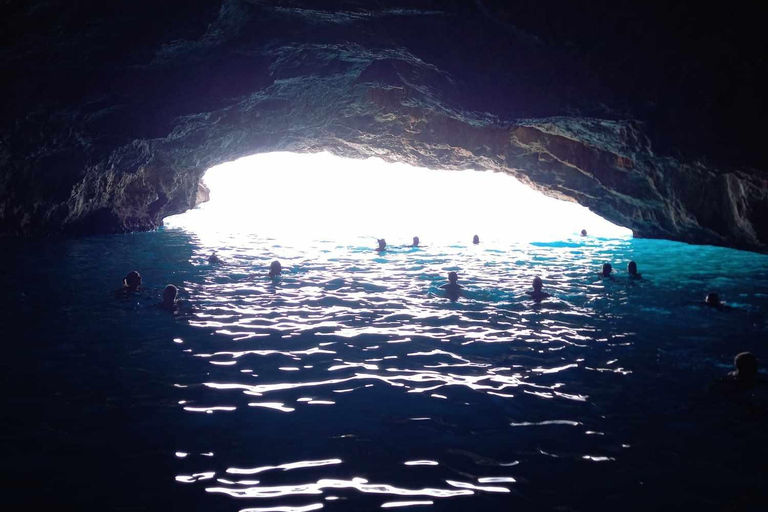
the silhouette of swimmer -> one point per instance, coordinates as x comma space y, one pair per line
744, 377
538, 295
169, 298
132, 281
713, 301
382, 245
606, 272
583, 232
632, 271
453, 288
475, 239
415, 241
213, 259
746, 367
275, 269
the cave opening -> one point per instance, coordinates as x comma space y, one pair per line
314, 196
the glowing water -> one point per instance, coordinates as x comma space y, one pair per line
352, 384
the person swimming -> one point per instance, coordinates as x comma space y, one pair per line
538, 295
743, 378
746, 367
632, 271
169, 298
453, 288
475, 239
606, 272
275, 269
713, 301
382, 245
213, 259
583, 232
132, 281
415, 241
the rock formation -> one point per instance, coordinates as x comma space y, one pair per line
203, 193
111, 114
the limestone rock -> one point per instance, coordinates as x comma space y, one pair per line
203, 193
112, 113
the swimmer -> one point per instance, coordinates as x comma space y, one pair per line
382, 245
538, 295
169, 298
713, 301
632, 271
453, 288
746, 368
275, 269
415, 241
744, 378
213, 259
132, 281
606, 272
583, 232
475, 239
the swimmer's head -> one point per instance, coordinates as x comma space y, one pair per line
275, 269
169, 294
632, 268
712, 300
415, 241
537, 284
746, 365
132, 280
583, 232
453, 277
382, 244
607, 269
475, 239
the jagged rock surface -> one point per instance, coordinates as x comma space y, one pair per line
112, 114
203, 193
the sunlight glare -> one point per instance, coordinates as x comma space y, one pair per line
321, 196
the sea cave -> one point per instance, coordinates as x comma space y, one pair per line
476, 254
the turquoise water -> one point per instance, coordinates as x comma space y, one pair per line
351, 383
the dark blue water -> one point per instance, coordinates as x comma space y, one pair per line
352, 384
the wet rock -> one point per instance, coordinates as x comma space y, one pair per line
110, 116
203, 193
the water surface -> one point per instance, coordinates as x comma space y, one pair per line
351, 383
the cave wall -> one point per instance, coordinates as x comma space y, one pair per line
113, 112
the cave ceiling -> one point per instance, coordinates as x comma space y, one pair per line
650, 116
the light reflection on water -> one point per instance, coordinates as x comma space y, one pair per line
371, 338
351, 383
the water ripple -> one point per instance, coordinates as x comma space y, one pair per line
360, 357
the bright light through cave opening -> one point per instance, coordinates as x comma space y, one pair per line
324, 197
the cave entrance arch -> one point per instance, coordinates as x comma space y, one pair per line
321, 196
